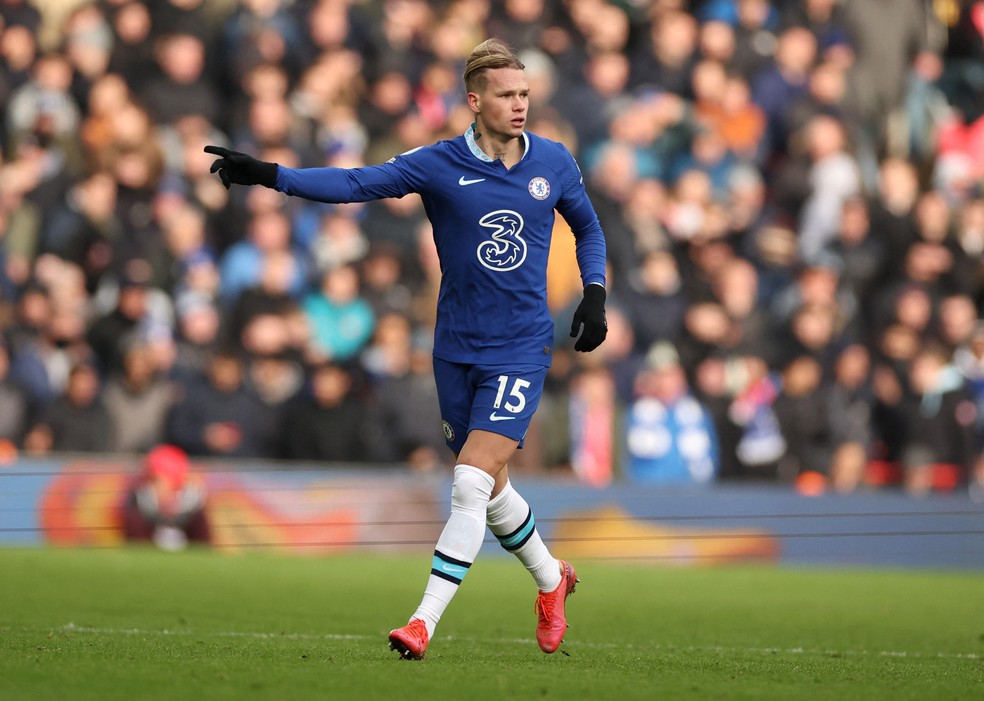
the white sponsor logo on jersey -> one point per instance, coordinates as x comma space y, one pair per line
505, 249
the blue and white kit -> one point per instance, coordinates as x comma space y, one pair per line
492, 228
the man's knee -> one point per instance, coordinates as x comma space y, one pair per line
471, 490
487, 451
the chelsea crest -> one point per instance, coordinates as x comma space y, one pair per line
539, 188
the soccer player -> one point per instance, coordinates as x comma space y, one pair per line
490, 195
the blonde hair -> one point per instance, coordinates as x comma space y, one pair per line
490, 54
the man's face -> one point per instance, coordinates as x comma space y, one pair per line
502, 105
225, 373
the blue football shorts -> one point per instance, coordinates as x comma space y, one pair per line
497, 398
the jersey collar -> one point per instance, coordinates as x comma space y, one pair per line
480, 154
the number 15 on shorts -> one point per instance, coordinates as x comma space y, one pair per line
515, 401
516, 396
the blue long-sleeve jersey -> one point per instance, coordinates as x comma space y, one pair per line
492, 227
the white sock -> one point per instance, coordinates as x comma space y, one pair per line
459, 543
511, 520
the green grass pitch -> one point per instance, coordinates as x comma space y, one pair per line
141, 624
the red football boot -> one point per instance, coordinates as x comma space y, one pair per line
552, 623
410, 640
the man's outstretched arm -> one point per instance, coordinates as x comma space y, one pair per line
318, 184
238, 168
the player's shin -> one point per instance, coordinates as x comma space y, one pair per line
511, 520
458, 544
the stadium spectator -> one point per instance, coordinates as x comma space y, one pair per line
817, 290
521, 24
197, 334
41, 363
42, 111
665, 60
761, 444
332, 27
131, 56
813, 332
272, 295
956, 320
29, 316
757, 35
171, 16
327, 421
825, 19
834, 176
894, 348
219, 417
713, 384
859, 254
134, 315
390, 97
189, 265
824, 97
88, 42
138, 399
258, 31
241, 266
946, 265
396, 222
652, 299
969, 359
850, 417
940, 447
553, 416
338, 240
14, 408
735, 287
708, 154
83, 228
403, 405
670, 436
963, 52
643, 215
606, 82
731, 114
593, 447
181, 88
385, 284
275, 378
884, 54
801, 410
777, 86
76, 421
341, 320
610, 183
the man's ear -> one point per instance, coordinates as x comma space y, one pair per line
473, 102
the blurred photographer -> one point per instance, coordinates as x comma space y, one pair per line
166, 503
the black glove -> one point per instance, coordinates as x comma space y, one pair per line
241, 169
591, 313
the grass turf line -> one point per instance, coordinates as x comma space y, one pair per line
140, 624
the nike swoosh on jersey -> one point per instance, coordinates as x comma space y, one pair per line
496, 417
462, 181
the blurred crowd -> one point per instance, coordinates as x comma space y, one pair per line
791, 191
